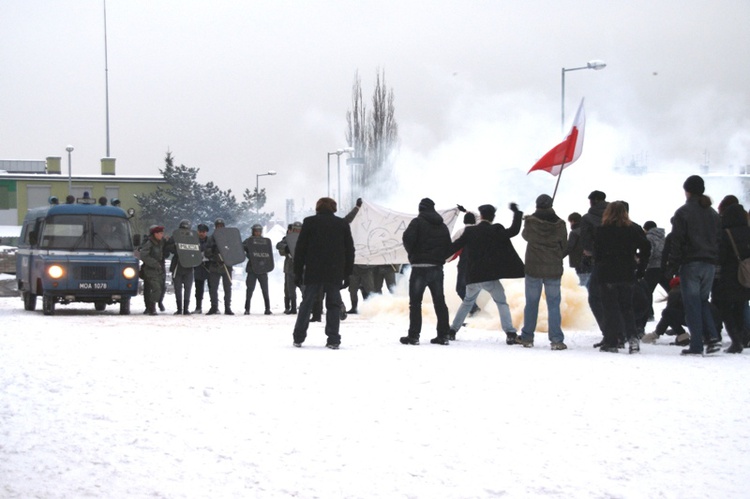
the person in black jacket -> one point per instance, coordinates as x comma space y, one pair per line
694, 252
491, 258
426, 241
729, 296
323, 261
622, 252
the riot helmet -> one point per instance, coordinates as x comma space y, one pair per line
219, 222
257, 228
184, 223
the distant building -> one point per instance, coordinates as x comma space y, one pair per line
26, 184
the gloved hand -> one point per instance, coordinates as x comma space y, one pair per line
345, 283
514, 208
461, 208
359, 202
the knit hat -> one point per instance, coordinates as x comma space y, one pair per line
487, 211
597, 196
470, 218
543, 202
426, 204
155, 228
694, 185
649, 225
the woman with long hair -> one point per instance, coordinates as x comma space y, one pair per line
622, 252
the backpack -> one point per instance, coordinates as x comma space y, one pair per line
743, 266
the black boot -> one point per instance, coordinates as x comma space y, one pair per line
409, 340
440, 340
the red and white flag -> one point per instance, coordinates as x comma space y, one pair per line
566, 152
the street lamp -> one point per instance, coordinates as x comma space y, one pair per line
595, 65
70, 175
257, 191
338, 153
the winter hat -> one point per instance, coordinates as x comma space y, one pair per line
202, 228
470, 219
597, 196
649, 225
426, 204
155, 228
487, 211
543, 202
694, 185
325, 205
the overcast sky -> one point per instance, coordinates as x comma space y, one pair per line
237, 88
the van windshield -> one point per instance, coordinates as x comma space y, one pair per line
82, 232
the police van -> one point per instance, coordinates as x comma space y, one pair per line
76, 253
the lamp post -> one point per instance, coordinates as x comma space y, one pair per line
596, 65
257, 191
338, 153
70, 174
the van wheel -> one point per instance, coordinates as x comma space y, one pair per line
100, 306
48, 305
125, 306
29, 301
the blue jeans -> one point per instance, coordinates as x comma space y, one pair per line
497, 292
422, 278
310, 293
696, 279
531, 310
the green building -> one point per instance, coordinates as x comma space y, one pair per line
26, 184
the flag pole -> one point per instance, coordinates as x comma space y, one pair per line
562, 167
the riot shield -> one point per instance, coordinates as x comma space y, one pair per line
187, 247
291, 242
229, 242
260, 253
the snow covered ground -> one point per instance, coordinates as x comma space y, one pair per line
102, 405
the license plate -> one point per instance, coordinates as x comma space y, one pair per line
92, 285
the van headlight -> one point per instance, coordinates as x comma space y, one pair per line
55, 271
128, 273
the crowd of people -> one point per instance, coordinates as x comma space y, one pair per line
619, 262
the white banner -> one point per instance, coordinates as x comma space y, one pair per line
378, 233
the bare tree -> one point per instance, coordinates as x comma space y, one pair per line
374, 137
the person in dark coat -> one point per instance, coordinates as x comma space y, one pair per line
152, 256
182, 277
729, 296
426, 241
546, 237
323, 261
589, 224
253, 278
491, 257
622, 253
200, 273
575, 250
694, 252
654, 272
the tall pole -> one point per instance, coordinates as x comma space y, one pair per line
70, 170
562, 102
329, 174
106, 75
338, 168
